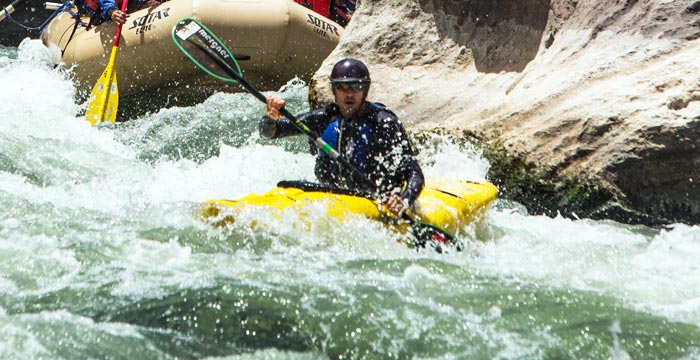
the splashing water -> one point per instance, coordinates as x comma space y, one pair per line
103, 255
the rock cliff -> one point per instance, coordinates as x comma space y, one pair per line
606, 91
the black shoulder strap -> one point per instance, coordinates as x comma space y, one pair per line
95, 17
75, 27
80, 4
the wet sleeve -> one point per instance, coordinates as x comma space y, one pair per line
415, 182
107, 7
409, 170
275, 129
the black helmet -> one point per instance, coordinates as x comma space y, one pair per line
350, 70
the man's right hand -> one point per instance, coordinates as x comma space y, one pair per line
119, 17
396, 204
273, 107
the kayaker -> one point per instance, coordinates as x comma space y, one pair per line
367, 134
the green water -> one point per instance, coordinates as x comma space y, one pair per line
103, 255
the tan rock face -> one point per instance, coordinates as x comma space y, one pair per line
604, 90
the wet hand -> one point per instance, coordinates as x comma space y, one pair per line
273, 107
119, 17
396, 204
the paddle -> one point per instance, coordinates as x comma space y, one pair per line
211, 55
104, 99
9, 9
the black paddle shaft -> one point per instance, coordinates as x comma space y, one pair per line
313, 135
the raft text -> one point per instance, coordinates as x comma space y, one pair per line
322, 27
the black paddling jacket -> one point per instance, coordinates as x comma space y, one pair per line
375, 143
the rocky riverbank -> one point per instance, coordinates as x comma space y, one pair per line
598, 102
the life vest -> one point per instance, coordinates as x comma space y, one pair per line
91, 5
323, 7
358, 145
94, 7
344, 9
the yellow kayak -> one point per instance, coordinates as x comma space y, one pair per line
448, 205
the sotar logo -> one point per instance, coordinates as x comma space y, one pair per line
143, 23
213, 44
322, 27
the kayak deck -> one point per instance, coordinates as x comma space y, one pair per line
446, 204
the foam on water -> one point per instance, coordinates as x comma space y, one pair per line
633, 263
102, 221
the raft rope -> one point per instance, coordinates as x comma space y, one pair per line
64, 7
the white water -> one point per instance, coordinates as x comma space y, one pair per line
100, 222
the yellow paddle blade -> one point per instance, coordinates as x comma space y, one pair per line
104, 99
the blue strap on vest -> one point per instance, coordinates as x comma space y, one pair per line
358, 158
330, 135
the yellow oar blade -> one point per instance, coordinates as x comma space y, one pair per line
104, 99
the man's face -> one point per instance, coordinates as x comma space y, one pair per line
349, 98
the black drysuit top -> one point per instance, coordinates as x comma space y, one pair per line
375, 143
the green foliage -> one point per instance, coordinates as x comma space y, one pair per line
540, 190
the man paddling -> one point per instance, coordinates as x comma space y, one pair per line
109, 9
367, 134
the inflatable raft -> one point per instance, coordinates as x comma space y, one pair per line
449, 205
274, 41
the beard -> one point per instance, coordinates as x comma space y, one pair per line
349, 112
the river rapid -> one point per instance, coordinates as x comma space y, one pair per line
103, 255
